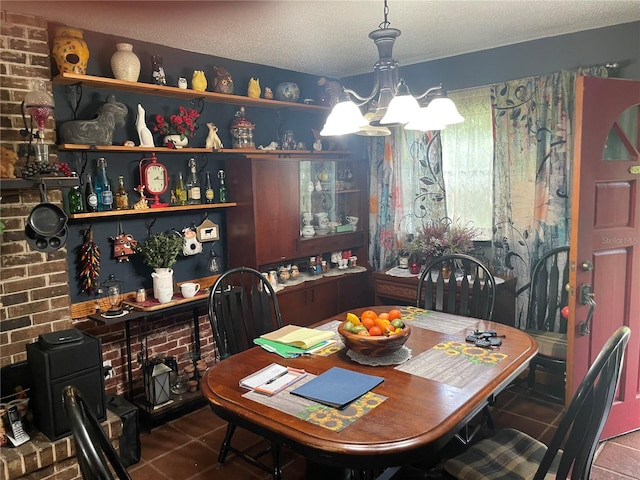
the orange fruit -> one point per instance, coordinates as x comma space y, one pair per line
375, 331
369, 314
384, 316
393, 314
368, 322
382, 323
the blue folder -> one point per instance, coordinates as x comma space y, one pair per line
338, 387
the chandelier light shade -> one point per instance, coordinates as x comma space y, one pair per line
394, 104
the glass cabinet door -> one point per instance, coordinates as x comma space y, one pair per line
329, 199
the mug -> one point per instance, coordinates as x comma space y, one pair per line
189, 289
352, 220
165, 295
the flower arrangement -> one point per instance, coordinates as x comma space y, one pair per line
183, 123
443, 237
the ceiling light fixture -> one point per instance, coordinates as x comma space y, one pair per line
394, 103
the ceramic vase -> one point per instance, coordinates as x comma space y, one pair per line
70, 51
163, 284
288, 92
125, 64
199, 81
177, 141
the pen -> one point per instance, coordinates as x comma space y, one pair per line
281, 374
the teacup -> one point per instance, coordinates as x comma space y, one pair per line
189, 289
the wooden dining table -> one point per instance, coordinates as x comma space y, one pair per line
415, 411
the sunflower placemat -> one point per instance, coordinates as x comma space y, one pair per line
437, 321
316, 413
452, 363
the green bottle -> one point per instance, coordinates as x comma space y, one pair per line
222, 190
181, 191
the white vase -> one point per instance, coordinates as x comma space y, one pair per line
178, 142
124, 63
163, 284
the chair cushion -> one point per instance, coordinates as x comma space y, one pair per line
550, 344
509, 454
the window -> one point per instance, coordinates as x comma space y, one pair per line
467, 161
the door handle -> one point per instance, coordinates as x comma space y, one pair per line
587, 298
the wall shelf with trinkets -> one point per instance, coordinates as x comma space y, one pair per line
149, 211
67, 78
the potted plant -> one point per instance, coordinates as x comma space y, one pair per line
160, 251
441, 237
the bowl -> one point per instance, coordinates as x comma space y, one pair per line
375, 346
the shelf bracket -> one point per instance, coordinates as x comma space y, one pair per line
198, 104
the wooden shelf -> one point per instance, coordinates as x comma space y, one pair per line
49, 181
67, 78
122, 148
149, 211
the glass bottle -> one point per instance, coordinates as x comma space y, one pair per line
103, 187
194, 193
222, 190
75, 200
181, 191
90, 195
157, 76
122, 196
208, 190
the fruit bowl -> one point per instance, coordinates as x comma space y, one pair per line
375, 346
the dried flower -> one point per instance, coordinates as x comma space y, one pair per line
183, 124
443, 237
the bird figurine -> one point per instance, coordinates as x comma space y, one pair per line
268, 93
199, 81
222, 82
146, 138
254, 88
213, 141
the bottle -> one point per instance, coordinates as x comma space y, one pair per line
103, 187
90, 195
122, 196
75, 200
208, 190
181, 191
222, 190
194, 195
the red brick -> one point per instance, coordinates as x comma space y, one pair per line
9, 273
13, 57
13, 30
49, 267
50, 316
49, 292
30, 71
15, 299
28, 308
24, 284
24, 259
59, 302
28, 20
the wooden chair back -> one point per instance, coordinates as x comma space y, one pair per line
547, 293
471, 295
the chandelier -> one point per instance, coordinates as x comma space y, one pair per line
390, 102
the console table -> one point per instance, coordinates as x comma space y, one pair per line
393, 290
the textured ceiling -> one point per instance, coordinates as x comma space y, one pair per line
330, 37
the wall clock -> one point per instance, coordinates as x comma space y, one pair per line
154, 177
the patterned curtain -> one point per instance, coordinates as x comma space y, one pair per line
407, 189
533, 157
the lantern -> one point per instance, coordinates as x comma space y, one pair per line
110, 292
242, 131
156, 383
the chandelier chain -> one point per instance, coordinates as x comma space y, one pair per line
385, 23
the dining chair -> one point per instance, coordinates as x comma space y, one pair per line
92, 444
471, 295
242, 306
511, 453
547, 297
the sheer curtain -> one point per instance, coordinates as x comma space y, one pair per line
407, 188
467, 161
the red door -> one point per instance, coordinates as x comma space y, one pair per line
605, 236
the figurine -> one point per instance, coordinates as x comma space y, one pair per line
213, 141
331, 90
271, 146
317, 142
268, 93
146, 138
9, 159
254, 88
222, 83
199, 81
123, 245
182, 83
141, 204
97, 131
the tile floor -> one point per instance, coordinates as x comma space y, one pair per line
187, 448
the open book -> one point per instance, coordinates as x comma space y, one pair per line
272, 379
301, 337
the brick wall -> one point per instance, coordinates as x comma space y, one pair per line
34, 292
33, 285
